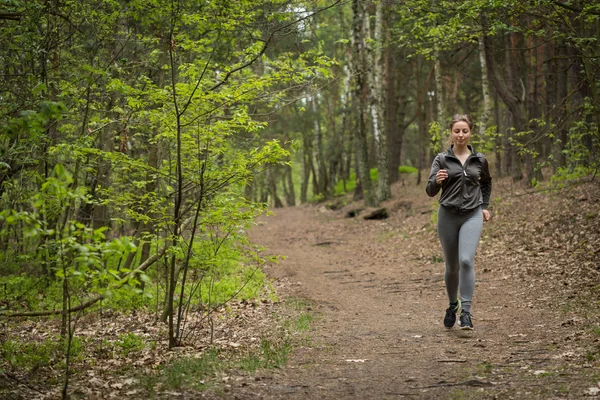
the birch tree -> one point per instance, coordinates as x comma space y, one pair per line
377, 101
485, 89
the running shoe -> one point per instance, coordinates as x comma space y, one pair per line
450, 318
464, 320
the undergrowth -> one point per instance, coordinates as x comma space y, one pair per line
211, 368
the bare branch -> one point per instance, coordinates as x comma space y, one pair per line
266, 45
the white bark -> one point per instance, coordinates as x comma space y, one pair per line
377, 102
487, 102
318, 145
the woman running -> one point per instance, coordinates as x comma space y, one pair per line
464, 177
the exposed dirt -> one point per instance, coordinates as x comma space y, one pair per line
379, 300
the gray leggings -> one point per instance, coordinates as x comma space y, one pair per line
459, 235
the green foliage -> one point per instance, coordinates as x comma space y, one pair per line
137, 142
304, 322
436, 135
486, 144
406, 169
32, 355
583, 140
130, 343
198, 372
191, 371
30, 292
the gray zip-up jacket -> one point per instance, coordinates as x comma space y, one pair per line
467, 186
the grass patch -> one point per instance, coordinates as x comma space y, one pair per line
33, 356
201, 373
485, 367
130, 343
298, 303
303, 322
204, 372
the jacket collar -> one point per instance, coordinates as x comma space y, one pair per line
450, 150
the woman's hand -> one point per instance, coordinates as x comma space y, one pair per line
440, 176
487, 215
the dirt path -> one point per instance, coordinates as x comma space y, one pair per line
379, 298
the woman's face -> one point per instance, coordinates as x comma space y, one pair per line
461, 133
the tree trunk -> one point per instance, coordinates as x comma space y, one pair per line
561, 100
272, 182
321, 184
376, 97
290, 192
392, 111
362, 149
499, 145
306, 154
347, 120
487, 103
439, 95
422, 141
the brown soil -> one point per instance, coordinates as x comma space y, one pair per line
378, 298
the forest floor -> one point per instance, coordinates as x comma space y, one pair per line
377, 288
375, 292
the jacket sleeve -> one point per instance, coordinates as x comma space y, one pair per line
432, 186
486, 184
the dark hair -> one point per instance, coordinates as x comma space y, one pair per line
462, 117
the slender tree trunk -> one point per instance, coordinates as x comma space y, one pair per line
362, 149
306, 154
439, 94
272, 182
561, 100
335, 142
346, 119
290, 193
376, 103
321, 184
499, 146
392, 112
487, 104
422, 139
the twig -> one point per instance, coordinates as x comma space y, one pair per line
328, 242
471, 382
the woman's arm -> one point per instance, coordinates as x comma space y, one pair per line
432, 186
485, 183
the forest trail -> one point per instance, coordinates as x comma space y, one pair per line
378, 294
